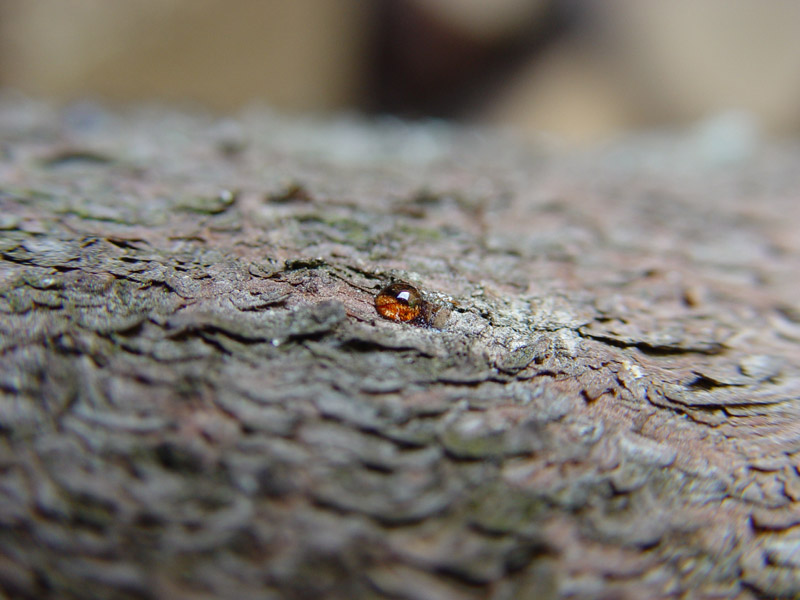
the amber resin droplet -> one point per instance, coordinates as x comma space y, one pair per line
399, 302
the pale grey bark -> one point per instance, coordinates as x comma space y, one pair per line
199, 400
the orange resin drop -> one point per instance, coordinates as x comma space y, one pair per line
399, 302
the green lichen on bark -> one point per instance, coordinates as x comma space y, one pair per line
197, 398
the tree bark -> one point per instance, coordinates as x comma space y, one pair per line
199, 400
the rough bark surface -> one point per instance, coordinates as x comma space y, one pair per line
198, 400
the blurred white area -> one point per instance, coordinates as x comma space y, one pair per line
646, 63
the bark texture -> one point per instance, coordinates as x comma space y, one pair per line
198, 400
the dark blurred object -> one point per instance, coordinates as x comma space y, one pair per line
444, 57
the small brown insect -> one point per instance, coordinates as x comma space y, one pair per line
400, 302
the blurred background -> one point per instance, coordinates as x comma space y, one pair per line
580, 70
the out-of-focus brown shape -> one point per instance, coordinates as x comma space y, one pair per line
581, 70
299, 55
